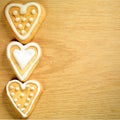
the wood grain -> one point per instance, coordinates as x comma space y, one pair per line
80, 66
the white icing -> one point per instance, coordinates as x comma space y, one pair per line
23, 86
26, 104
15, 100
23, 32
24, 19
31, 94
28, 99
11, 87
18, 105
17, 19
12, 93
20, 26
32, 88
17, 88
23, 57
23, 9
23, 47
22, 95
33, 12
15, 12
31, 19
22, 109
28, 25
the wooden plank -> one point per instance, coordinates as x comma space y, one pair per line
80, 66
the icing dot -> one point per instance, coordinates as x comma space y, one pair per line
20, 26
26, 104
33, 12
15, 12
17, 19
28, 99
12, 94
32, 88
22, 109
23, 19
31, 19
18, 105
22, 95
23, 32
23, 10
31, 94
11, 87
28, 25
17, 88
15, 100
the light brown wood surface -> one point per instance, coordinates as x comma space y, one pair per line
80, 66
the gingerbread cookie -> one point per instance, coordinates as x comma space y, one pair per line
23, 58
23, 96
24, 19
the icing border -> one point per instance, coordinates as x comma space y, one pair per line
22, 6
23, 77
23, 87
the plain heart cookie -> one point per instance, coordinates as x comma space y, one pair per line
24, 19
23, 58
23, 96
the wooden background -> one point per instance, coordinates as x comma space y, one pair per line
80, 66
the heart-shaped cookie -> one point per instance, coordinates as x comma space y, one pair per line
23, 58
24, 19
23, 96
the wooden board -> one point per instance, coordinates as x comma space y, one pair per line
80, 66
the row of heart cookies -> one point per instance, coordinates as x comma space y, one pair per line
23, 94
24, 21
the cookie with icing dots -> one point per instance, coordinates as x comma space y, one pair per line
23, 96
24, 19
23, 58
